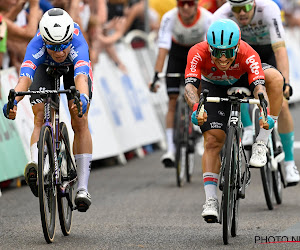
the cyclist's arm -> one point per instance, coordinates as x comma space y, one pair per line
81, 84
282, 62
193, 76
191, 95
23, 84
162, 54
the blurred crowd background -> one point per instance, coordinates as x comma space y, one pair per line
104, 22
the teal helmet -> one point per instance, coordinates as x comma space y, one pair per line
223, 34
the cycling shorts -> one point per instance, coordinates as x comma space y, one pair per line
176, 64
43, 81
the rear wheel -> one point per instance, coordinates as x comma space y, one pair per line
265, 171
64, 208
46, 184
190, 156
179, 141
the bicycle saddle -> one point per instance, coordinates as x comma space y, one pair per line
238, 91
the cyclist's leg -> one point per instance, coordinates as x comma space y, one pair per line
175, 65
214, 137
286, 132
82, 146
273, 84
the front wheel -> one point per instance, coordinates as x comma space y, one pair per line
228, 196
65, 196
277, 184
46, 182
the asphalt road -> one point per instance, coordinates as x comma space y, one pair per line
138, 206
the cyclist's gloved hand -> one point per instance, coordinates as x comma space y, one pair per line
193, 116
287, 91
85, 100
153, 86
269, 124
5, 109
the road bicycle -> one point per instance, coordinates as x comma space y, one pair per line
56, 173
184, 136
235, 174
271, 174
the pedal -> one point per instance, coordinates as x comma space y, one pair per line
168, 163
211, 219
82, 207
291, 184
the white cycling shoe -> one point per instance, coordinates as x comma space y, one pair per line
259, 154
83, 200
210, 211
291, 175
168, 159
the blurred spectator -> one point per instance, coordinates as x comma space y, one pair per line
19, 35
292, 12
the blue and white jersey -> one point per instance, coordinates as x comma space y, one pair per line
36, 54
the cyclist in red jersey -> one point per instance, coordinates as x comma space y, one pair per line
218, 64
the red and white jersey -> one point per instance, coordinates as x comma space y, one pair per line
173, 29
200, 65
265, 27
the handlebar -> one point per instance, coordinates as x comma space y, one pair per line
73, 91
204, 98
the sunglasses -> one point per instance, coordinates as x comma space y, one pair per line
246, 8
218, 53
182, 3
58, 47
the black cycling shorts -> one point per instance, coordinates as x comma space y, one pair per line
43, 81
176, 64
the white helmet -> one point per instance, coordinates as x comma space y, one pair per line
239, 2
56, 26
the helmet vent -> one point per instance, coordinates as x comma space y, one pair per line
222, 36
230, 38
55, 12
214, 38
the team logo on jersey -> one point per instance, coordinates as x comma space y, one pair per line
254, 66
28, 64
81, 63
76, 31
213, 69
195, 61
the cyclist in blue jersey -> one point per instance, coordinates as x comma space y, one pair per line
59, 42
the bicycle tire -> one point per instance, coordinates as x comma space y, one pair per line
190, 156
181, 149
265, 171
63, 207
276, 174
277, 184
228, 192
46, 182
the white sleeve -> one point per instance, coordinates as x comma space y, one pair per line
165, 30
